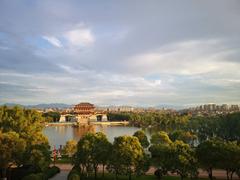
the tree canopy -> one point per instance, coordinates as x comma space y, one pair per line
21, 133
142, 138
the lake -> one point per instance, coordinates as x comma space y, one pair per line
58, 135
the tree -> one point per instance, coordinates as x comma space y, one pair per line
228, 127
92, 150
184, 161
127, 153
160, 137
204, 127
102, 150
11, 145
176, 157
208, 155
229, 159
52, 116
39, 156
224, 126
185, 136
70, 148
83, 156
27, 124
217, 153
142, 138
161, 158
143, 165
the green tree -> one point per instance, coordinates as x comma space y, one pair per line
102, 150
224, 126
176, 157
204, 127
127, 153
160, 137
185, 136
208, 155
52, 116
92, 150
70, 148
142, 138
143, 165
161, 158
229, 159
83, 156
217, 153
11, 145
184, 160
228, 127
28, 125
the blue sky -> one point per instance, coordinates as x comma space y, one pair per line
146, 52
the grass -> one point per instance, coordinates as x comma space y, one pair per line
145, 177
64, 160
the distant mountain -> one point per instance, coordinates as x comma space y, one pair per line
42, 106
12, 104
52, 105
64, 106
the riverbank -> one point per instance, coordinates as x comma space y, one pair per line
108, 123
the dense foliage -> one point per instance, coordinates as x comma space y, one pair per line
174, 156
162, 120
70, 148
92, 150
222, 126
21, 139
52, 116
189, 129
180, 144
124, 156
142, 138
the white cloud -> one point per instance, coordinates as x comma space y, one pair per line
53, 40
185, 58
80, 37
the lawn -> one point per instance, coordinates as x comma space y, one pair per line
64, 160
145, 177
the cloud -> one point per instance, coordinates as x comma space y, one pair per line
53, 40
80, 37
193, 57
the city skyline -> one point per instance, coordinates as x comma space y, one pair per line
124, 53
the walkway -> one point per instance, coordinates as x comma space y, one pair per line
61, 176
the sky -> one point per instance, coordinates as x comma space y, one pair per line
128, 52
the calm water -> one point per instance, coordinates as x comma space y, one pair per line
58, 135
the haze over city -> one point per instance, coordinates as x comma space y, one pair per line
120, 52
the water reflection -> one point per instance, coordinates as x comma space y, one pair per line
78, 132
58, 135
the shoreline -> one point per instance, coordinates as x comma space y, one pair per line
108, 123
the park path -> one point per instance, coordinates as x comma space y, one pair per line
65, 168
61, 176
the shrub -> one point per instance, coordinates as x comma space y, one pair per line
51, 171
160, 173
16, 172
74, 174
38, 176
